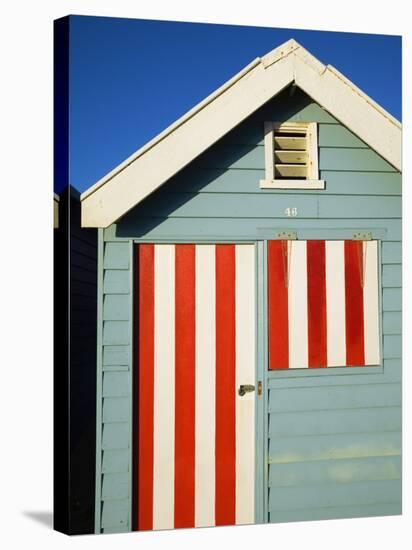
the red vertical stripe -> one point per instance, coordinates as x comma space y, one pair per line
146, 386
185, 386
225, 508
317, 339
278, 305
355, 354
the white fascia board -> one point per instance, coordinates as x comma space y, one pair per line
170, 129
161, 158
106, 203
352, 107
270, 58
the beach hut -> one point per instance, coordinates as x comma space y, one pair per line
249, 308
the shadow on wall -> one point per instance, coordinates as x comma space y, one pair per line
210, 165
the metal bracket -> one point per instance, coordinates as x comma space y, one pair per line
362, 236
245, 388
287, 235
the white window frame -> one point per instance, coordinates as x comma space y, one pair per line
313, 181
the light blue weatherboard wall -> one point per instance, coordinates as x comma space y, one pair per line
331, 440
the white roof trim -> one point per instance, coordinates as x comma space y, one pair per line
170, 128
162, 157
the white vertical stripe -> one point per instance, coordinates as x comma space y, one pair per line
164, 387
371, 303
335, 303
245, 374
205, 386
298, 306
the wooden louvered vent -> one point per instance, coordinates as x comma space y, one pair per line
291, 152
291, 156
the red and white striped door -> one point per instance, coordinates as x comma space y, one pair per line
323, 304
195, 340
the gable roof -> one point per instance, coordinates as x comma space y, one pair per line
162, 157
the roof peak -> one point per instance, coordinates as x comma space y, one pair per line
280, 51
117, 192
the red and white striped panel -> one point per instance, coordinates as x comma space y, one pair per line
195, 436
323, 304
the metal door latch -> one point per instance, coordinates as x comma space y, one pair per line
245, 388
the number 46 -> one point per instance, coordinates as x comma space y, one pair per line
291, 212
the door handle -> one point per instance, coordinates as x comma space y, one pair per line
245, 388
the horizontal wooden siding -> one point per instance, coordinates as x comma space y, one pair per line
116, 389
333, 440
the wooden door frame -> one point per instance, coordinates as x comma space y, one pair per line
261, 361
261, 403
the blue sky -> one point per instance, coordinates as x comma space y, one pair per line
130, 78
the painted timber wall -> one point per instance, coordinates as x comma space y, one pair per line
329, 440
75, 298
